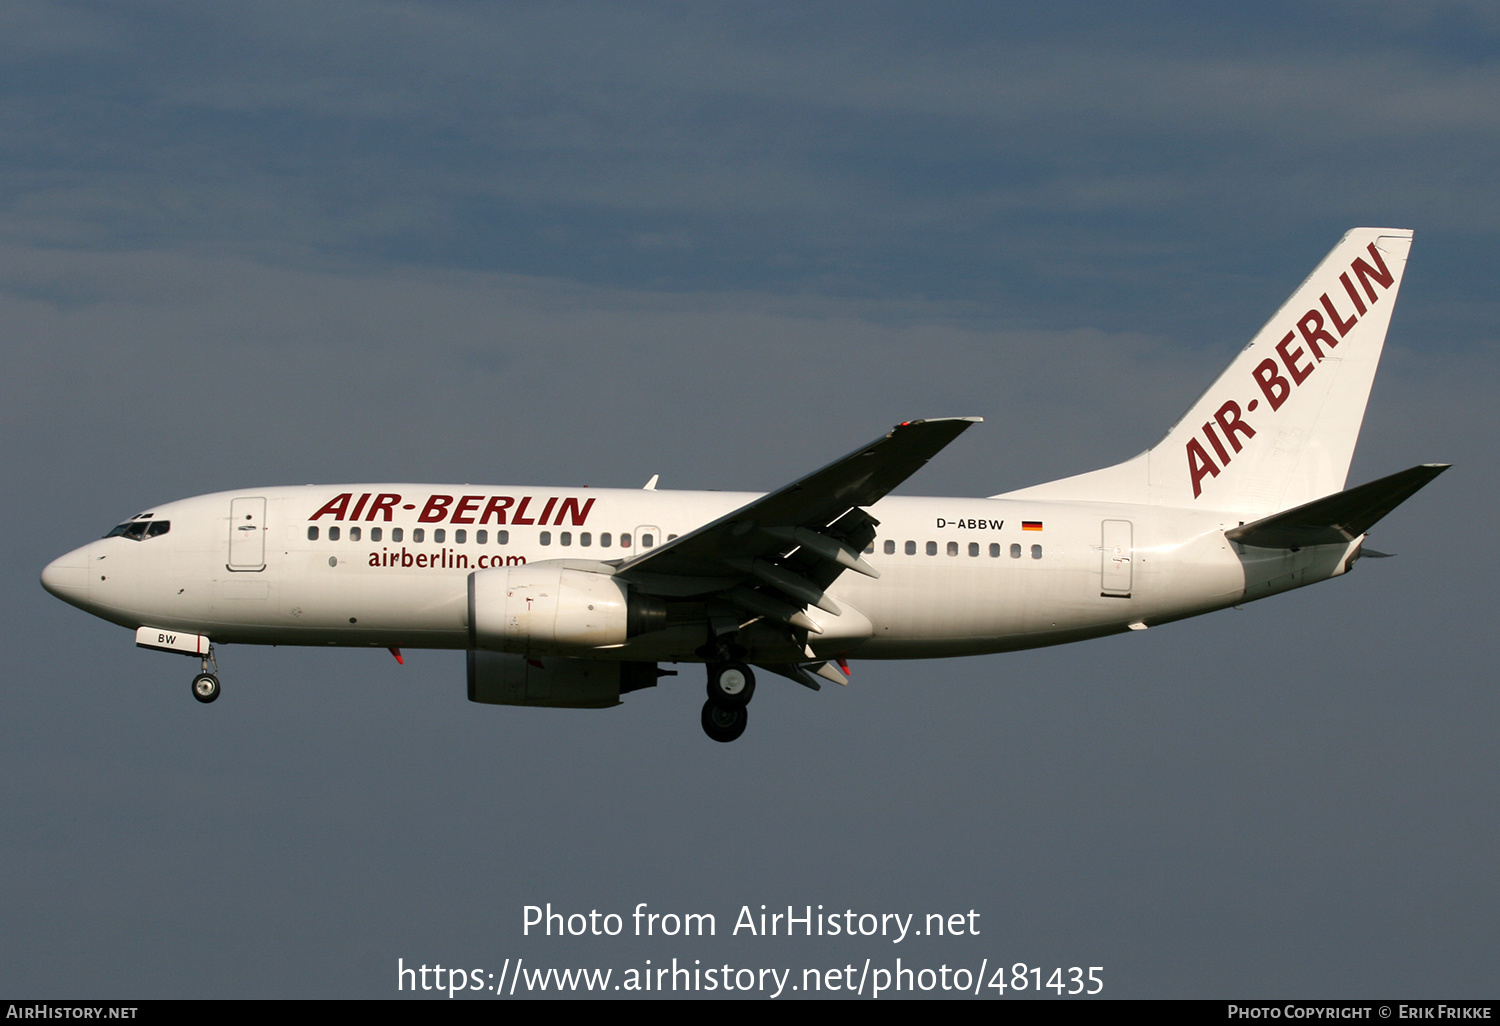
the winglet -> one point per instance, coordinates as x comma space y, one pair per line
650, 486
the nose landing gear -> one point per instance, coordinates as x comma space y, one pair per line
206, 685
730, 688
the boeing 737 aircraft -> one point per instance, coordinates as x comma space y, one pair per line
576, 596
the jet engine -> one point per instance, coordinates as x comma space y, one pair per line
557, 607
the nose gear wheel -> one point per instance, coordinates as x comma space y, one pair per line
205, 687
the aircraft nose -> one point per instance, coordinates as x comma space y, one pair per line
67, 576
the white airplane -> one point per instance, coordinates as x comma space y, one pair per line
574, 596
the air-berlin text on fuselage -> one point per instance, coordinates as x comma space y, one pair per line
460, 509
1223, 431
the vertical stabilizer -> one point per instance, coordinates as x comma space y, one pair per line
1277, 429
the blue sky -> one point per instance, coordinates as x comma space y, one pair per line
586, 243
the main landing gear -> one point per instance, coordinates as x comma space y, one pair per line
206, 685
730, 688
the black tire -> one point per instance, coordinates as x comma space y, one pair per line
724, 723
205, 687
730, 683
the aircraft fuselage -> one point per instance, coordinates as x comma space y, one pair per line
958, 576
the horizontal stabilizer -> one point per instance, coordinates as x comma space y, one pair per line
1338, 518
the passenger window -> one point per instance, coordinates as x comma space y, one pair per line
973, 548
438, 536
333, 534
418, 534
647, 541
890, 547
585, 539
397, 534
604, 540
1036, 552
932, 548
624, 541
911, 548
481, 537
158, 527
376, 534
1015, 552
354, 534
546, 537
995, 551
953, 548
670, 537
502, 537
460, 536
312, 533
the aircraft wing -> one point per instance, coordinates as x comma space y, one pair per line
1337, 518
778, 554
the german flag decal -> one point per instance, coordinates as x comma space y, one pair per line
1031, 525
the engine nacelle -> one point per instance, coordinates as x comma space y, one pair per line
501, 678
554, 608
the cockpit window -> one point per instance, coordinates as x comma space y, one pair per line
135, 530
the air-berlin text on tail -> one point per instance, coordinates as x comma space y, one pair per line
460, 509
1275, 381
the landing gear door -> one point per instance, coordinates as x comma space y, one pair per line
1116, 570
247, 534
646, 538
